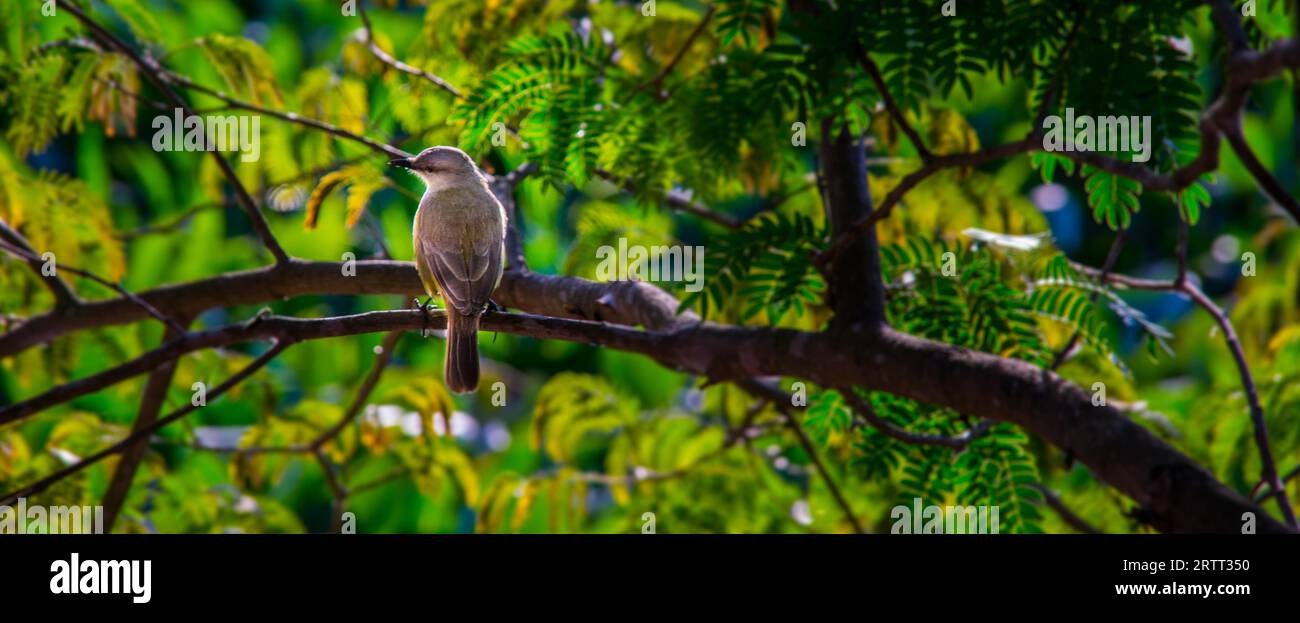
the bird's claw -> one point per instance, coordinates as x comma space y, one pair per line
424, 312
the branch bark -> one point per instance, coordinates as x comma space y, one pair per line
1180, 495
856, 289
151, 403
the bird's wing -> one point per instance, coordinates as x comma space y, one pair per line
467, 275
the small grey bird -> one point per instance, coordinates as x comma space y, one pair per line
460, 233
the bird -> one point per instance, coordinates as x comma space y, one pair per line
459, 246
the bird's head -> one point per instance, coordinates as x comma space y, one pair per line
440, 166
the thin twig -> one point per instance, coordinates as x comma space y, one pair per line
291, 117
382, 356
677, 200
656, 83
1069, 516
873, 71
811, 451
64, 297
868, 415
388, 59
1111, 257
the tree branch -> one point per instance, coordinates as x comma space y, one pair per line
1053, 499
657, 82
291, 117
1180, 494
151, 403
865, 413
387, 59
877, 79
383, 355
855, 287
1111, 256
1266, 180
811, 451
679, 201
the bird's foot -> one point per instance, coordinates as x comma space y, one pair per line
424, 308
492, 306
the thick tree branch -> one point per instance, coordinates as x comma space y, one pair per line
856, 289
843, 239
503, 186
1180, 494
625, 302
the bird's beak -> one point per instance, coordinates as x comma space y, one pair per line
404, 163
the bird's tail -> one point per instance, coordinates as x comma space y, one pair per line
462, 353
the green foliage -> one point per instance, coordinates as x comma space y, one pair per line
33, 93
996, 469
737, 18
548, 86
960, 297
139, 17
60, 215
1114, 199
244, 67
759, 267
603, 224
1191, 201
570, 407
